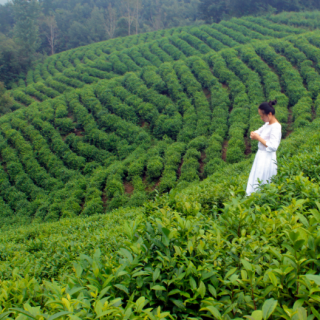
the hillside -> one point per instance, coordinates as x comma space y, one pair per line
182, 256
104, 126
153, 129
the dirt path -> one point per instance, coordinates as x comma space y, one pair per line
128, 187
201, 162
248, 146
289, 123
179, 169
207, 93
104, 199
224, 150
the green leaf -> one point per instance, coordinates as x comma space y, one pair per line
174, 291
122, 288
179, 304
141, 302
59, 314
75, 290
193, 283
273, 278
276, 253
314, 278
230, 272
156, 275
315, 313
105, 313
103, 292
268, 308
4, 315
302, 314
298, 244
212, 290
165, 238
126, 253
157, 287
140, 273
256, 315
214, 311
316, 214
202, 289
303, 220
247, 265
26, 313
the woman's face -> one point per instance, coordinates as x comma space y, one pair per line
264, 117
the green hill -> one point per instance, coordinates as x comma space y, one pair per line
156, 126
109, 123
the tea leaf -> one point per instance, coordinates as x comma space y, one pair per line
158, 287
122, 288
247, 265
268, 308
202, 289
179, 304
58, 315
214, 311
26, 313
314, 278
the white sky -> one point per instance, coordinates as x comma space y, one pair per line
3, 1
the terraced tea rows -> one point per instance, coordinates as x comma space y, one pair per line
107, 124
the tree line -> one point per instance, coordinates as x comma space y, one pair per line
31, 30
217, 10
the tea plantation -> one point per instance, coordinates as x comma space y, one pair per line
123, 174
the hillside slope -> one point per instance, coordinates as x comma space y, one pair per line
152, 116
117, 125
204, 252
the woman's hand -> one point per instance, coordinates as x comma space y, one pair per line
254, 136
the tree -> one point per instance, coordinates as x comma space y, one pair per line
12, 59
26, 29
213, 10
51, 32
156, 19
129, 10
137, 9
79, 35
96, 25
6, 102
111, 21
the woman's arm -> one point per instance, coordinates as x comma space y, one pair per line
255, 136
273, 143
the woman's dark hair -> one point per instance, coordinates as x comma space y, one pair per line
267, 107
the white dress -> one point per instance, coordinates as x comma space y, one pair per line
264, 165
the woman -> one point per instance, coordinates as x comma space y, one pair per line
269, 137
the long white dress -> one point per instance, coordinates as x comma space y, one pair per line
264, 165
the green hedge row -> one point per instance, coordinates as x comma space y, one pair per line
271, 84
239, 116
290, 77
244, 30
172, 160
171, 50
263, 30
211, 42
223, 38
184, 46
274, 26
235, 35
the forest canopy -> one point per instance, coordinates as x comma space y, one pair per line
31, 30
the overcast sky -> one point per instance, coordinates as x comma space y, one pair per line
3, 1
